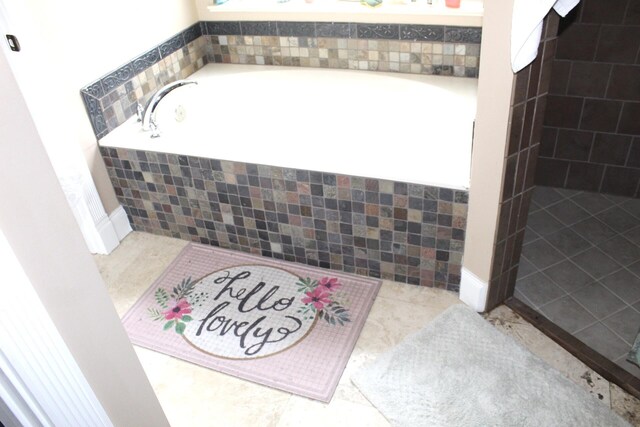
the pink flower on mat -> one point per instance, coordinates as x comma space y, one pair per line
329, 284
319, 297
182, 307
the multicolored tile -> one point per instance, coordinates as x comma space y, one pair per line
393, 230
421, 49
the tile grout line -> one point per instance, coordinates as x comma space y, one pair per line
567, 258
610, 290
613, 330
622, 234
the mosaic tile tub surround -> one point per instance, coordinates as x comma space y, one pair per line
113, 98
417, 49
392, 230
420, 49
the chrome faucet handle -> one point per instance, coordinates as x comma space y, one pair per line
155, 133
139, 112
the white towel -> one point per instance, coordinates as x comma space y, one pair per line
526, 27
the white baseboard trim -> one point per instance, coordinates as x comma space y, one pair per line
473, 290
108, 236
120, 222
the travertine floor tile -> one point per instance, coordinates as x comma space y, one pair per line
625, 405
301, 411
195, 396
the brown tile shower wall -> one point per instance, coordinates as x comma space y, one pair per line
591, 138
405, 232
405, 48
527, 113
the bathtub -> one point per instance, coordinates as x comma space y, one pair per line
361, 172
410, 128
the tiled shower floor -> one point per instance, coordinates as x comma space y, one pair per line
580, 267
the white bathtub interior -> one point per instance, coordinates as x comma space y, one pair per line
401, 127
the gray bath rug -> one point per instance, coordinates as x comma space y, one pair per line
461, 371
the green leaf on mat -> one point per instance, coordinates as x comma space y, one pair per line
184, 289
180, 327
155, 313
306, 284
162, 297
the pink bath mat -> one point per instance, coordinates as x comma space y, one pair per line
280, 324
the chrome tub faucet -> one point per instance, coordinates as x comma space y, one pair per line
147, 115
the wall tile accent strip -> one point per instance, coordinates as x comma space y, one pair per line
591, 136
418, 49
527, 113
425, 49
411, 32
451, 59
394, 230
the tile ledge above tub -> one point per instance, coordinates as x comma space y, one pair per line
419, 12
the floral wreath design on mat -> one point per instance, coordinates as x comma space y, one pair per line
323, 299
177, 313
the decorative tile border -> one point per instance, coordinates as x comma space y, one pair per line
408, 32
425, 49
113, 98
405, 232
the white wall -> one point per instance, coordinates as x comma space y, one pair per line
495, 86
468, 14
67, 44
45, 238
